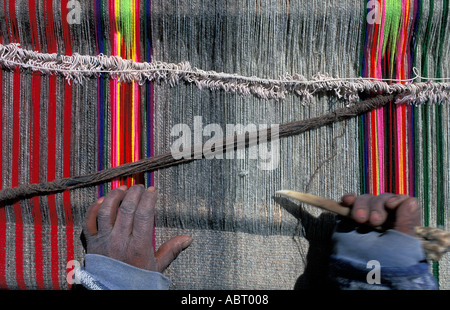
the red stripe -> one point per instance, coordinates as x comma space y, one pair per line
113, 85
33, 25
128, 117
397, 151
140, 177
15, 181
15, 160
374, 152
123, 129
67, 138
14, 34
405, 182
50, 31
5, 9
373, 114
122, 126
374, 55
51, 149
403, 108
35, 142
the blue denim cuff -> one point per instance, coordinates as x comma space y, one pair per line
116, 275
391, 248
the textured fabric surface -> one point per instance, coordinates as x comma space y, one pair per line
267, 39
244, 236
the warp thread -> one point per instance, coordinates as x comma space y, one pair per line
79, 67
167, 160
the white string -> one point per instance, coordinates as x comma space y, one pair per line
219, 75
78, 67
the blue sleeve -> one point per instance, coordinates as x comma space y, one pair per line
390, 260
104, 273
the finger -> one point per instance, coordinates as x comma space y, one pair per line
377, 211
144, 216
395, 201
106, 215
348, 199
407, 216
360, 209
123, 225
90, 222
168, 251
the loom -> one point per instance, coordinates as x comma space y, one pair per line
87, 86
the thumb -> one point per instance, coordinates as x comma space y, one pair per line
407, 216
169, 250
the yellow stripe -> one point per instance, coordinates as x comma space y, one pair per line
133, 103
118, 124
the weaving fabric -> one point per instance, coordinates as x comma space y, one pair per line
56, 129
53, 128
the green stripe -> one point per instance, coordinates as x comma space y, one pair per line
440, 203
126, 26
426, 124
416, 110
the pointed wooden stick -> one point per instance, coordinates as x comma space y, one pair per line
436, 241
11, 195
316, 201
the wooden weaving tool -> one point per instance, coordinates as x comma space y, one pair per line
436, 241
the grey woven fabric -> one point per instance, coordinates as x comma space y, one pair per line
244, 236
230, 204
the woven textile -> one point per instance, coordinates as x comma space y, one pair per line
244, 237
54, 129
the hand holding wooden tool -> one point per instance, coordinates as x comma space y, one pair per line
436, 242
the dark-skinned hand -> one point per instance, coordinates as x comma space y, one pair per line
388, 211
120, 226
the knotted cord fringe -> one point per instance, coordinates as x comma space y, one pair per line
79, 67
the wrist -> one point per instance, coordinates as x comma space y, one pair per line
117, 275
390, 248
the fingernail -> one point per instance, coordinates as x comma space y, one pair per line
348, 195
123, 187
413, 208
392, 199
151, 189
100, 200
186, 243
360, 214
375, 217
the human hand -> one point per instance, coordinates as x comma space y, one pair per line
120, 226
390, 211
